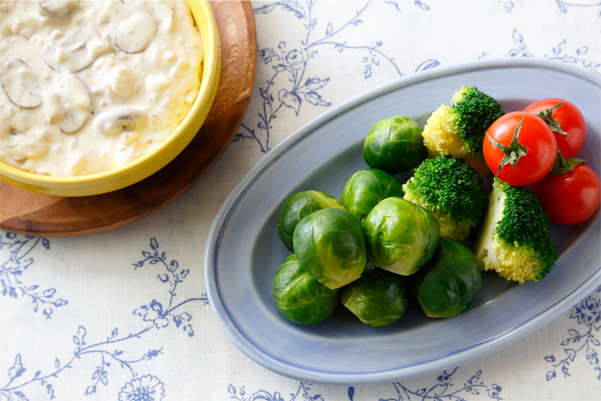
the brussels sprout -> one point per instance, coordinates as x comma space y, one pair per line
298, 206
379, 298
329, 245
448, 282
366, 188
394, 145
299, 297
401, 236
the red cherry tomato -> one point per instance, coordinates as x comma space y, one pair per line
527, 157
570, 120
571, 197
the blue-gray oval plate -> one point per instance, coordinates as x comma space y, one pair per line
243, 250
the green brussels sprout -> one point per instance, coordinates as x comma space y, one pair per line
298, 206
329, 245
379, 298
299, 297
446, 284
394, 145
366, 188
400, 235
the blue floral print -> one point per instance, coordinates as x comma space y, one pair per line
559, 53
145, 388
292, 93
563, 5
155, 313
112, 352
418, 3
16, 259
302, 393
444, 389
577, 57
292, 63
291, 85
587, 313
508, 5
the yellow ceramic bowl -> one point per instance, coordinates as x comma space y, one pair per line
150, 163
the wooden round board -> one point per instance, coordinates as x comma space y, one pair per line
30, 213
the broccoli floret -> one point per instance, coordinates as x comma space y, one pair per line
459, 130
452, 191
514, 239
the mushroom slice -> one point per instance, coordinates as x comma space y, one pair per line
134, 34
76, 51
115, 122
19, 83
56, 8
74, 100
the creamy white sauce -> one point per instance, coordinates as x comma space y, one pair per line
88, 86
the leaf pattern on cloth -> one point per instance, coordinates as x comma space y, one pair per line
16, 260
292, 86
291, 94
443, 389
292, 63
580, 343
112, 352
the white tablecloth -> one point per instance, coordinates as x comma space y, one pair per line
123, 314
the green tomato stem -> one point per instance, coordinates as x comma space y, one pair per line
547, 116
514, 152
562, 165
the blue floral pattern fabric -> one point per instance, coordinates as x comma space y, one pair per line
123, 315
110, 351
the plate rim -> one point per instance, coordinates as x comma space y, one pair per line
456, 357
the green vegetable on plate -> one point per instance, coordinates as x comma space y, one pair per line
394, 145
379, 298
446, 284
298, 206
329, 245
458, 130
452, 191
515, 239
366, 188
299, 297
400, 235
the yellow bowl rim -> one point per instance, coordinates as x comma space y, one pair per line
210, 64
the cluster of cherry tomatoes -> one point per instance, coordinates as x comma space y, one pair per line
537, 147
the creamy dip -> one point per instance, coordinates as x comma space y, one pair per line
88, 86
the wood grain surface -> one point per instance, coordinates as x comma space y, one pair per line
29, 213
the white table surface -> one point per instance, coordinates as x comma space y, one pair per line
123, 314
